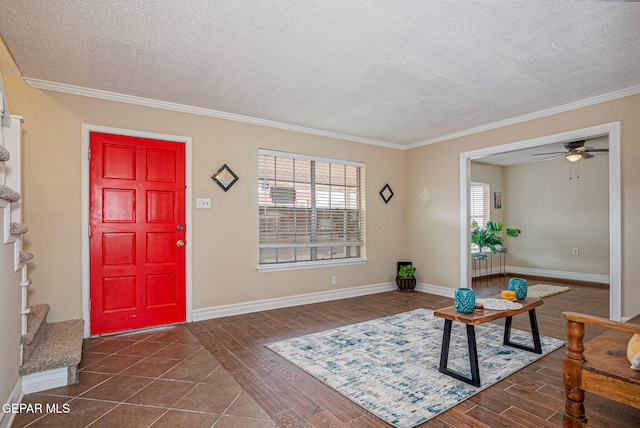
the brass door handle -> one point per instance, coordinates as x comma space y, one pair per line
180, 243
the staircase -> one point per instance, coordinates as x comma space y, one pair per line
50, 352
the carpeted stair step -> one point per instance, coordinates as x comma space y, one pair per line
16, 228
4, 154
9, 194
60, 345
35, 320
25, 256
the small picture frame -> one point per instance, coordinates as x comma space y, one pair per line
386, 193
497, 200
225, 177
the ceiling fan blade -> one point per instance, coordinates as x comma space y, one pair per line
551, 153
586, 155
596, 150
574, 145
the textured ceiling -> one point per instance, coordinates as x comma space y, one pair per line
401, 72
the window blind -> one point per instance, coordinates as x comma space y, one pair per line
479, 203
310, 209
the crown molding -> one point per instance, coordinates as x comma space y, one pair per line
200, 111
634, 90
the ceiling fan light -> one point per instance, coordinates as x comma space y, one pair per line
573, 157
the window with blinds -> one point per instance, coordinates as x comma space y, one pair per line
479, 203
310, 209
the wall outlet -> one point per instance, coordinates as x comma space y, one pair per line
575, 251
334, 280
203, 203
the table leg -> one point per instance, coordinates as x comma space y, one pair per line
473, 355
446, 340
537, 346
473, 270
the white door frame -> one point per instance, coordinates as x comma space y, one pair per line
86, 281
612, 130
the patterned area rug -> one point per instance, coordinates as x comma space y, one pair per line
545, 290
389, 366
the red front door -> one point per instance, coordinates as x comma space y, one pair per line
137, 232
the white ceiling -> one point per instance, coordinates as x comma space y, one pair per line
397, 73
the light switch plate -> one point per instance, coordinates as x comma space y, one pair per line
203, 203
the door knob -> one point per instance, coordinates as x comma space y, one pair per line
180, 243
179, 227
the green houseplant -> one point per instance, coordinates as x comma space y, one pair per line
405, 280
489, 236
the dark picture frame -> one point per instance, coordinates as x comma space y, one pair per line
497, 200
386, 193
225, 177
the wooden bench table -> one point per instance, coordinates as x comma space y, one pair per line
480, 316
599, 366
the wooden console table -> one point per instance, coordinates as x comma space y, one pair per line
480, 316
599, 366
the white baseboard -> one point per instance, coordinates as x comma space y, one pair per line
576, 276
6, 419
283, 302
438, 290
42, 381
325, 296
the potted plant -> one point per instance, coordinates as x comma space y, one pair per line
489, 236
406, 281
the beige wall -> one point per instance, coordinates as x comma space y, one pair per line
225, 238
434, 241
9, 319
559, 206
225, 274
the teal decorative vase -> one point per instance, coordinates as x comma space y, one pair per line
465, 300
518, 285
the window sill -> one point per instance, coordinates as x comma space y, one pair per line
310, 265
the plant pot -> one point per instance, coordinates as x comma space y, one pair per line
518, 285
406, 284
465, 300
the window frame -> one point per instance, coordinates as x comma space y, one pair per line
312, 245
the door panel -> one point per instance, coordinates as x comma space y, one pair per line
137, 202
161, 207
119, 249
119, 205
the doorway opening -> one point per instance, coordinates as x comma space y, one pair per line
610, 130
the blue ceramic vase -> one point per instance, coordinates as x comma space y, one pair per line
518, 285
465, 300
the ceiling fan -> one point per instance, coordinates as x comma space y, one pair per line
575, 150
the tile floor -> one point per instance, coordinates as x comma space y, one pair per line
157, 378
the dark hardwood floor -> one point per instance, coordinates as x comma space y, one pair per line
532, 397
